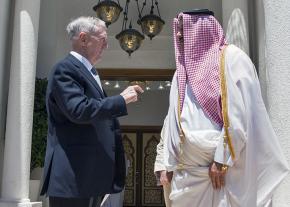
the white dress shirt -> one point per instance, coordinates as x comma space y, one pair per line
88, 65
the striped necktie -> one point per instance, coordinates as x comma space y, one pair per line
94, 71
96, 77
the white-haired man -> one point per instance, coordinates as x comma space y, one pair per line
84, 156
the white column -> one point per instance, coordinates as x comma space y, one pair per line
277, 30
235, 23
16, 167
4, 20
260, 49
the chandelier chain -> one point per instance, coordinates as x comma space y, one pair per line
139, 12
124, 25
156, 3
152, 7
144, 4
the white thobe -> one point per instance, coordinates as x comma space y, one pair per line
159, 166
259, 165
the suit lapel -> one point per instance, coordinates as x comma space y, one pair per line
86, 73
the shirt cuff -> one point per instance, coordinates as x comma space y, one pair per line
158, 167
223, 156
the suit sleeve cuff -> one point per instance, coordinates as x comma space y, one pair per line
120, 106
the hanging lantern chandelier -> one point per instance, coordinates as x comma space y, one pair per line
108, 11
151, 24
130, 39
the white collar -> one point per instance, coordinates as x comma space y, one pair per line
82, 59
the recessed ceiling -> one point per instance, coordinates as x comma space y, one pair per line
168, 9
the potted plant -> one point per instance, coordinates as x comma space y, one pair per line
39, 133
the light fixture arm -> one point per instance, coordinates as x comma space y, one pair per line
152, 7
140, 12
156, 3
125, 19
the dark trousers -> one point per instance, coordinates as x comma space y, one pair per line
74, 202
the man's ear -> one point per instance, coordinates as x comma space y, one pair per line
83, 37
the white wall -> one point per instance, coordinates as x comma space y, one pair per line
277, 47
47, 38
235, 23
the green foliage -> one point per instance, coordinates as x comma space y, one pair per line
39, 132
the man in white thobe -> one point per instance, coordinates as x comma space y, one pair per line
217, 137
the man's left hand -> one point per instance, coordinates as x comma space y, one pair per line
165, 177
217, 175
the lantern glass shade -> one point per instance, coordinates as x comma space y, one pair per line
151, 25
108, 11
130, 40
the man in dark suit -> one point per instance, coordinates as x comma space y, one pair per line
84, 156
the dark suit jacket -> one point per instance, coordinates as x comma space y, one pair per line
84, 155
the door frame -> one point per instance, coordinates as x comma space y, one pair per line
136, 74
